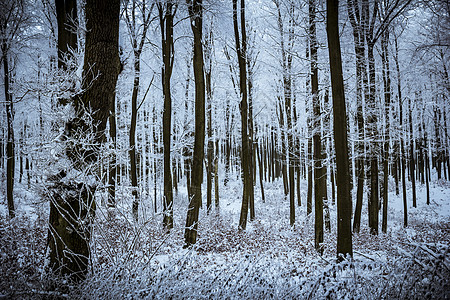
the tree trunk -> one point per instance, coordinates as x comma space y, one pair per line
72, 208
66, 16
372, 122
412, 163
132, 136
261, 170
402, 143
241, 49
113, 158
195, 197
360, 146
216, 176
319, 170
166, 16
10, 157
210, 144
387, 104
344, 201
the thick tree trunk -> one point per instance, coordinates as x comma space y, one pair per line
66, 16
72, 208
344, 201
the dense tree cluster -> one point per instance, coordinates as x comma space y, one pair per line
120, 104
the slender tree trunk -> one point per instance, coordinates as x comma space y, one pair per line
372, 121
261, 170
286, 135
251, 151
411, 159
319, 178
310, 169
113, 158
402, 143
427, 163
195, 197
210, 144
132, 137
245, 155
166, 16
216, 176
387, 103
10, 157
309, 159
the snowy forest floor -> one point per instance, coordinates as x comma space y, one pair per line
270, 259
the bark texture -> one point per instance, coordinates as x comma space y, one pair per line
344, 200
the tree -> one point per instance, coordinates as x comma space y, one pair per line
402, 142
344, 200
286, 47
195, 191
319, 170
166, 11
241, 48
209, 43
72, 214
387, 109
358, 21
12, 21
137, 37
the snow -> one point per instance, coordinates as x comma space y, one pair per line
268, 260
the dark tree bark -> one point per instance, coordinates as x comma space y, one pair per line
209, 42
287, 137
241, 48
427, 163
112, 175
250, 61
372, 34
319, 170
412, 164
66, 15
309, 155
167, 12
195, 197
71, 216
137, 41
73, 204
12, 20
402, 142
216, 176
357, 20
260, 157
10, 156
387, 104
344, 201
